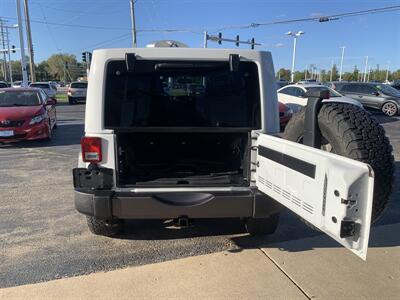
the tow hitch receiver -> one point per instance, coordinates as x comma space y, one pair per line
182, 222
347, 229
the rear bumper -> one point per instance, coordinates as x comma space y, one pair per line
76, 98
108, 205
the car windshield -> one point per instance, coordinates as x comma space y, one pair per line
79, 85
177, 94
40, 85
332, 93
388, 90
23, 98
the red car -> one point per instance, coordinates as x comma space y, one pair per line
285, 113
26, 114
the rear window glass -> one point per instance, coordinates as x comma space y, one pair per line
174, 94
40, 85
352, 88
79, 85
19, 98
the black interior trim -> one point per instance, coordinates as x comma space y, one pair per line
180, 129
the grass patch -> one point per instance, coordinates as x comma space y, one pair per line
62, 98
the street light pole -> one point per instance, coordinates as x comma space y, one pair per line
293, 58
387, 73
365, 69
295, 36
22, 46
341, 63
132, 3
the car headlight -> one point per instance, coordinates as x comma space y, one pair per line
37, 119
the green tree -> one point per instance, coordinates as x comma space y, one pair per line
62, 66
283, 74
41, 72
324, 76
298, 76
335, 74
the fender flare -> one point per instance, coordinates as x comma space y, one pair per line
349, 101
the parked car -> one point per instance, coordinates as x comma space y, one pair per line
396, 85
49, 88
3, 85
77, 92
285, 113
149, 155
26, 114
374, 95
17, 84
281, 83
309, 81
294, 95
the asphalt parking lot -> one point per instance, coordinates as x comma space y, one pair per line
42, 237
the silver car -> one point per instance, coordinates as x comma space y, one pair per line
375, 95
77, 92
49, 89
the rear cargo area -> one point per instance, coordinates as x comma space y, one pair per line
183, 158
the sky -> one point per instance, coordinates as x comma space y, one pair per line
374, 35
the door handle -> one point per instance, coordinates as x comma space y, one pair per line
360, 96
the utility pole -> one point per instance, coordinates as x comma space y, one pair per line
365, 69
341, 63
134, 43
331, 77
22, 46
29, 37
4, 46
205, 39
305, 73
9, 57
369, 72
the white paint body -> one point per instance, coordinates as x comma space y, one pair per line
296, 103
344, 175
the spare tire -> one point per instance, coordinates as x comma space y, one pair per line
352, 132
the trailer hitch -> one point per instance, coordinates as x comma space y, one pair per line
312, 133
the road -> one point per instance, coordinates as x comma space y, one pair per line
42, 237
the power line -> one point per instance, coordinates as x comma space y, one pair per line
317, 19
248, 26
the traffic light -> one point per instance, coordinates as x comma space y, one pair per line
84, 56
13, 49
252, 43
66, 65
237, 41
220, 38
89, 57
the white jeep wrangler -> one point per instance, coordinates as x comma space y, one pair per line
178, 133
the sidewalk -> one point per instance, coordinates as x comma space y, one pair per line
309, 268
246, 274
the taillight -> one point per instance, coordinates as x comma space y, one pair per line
91, 149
